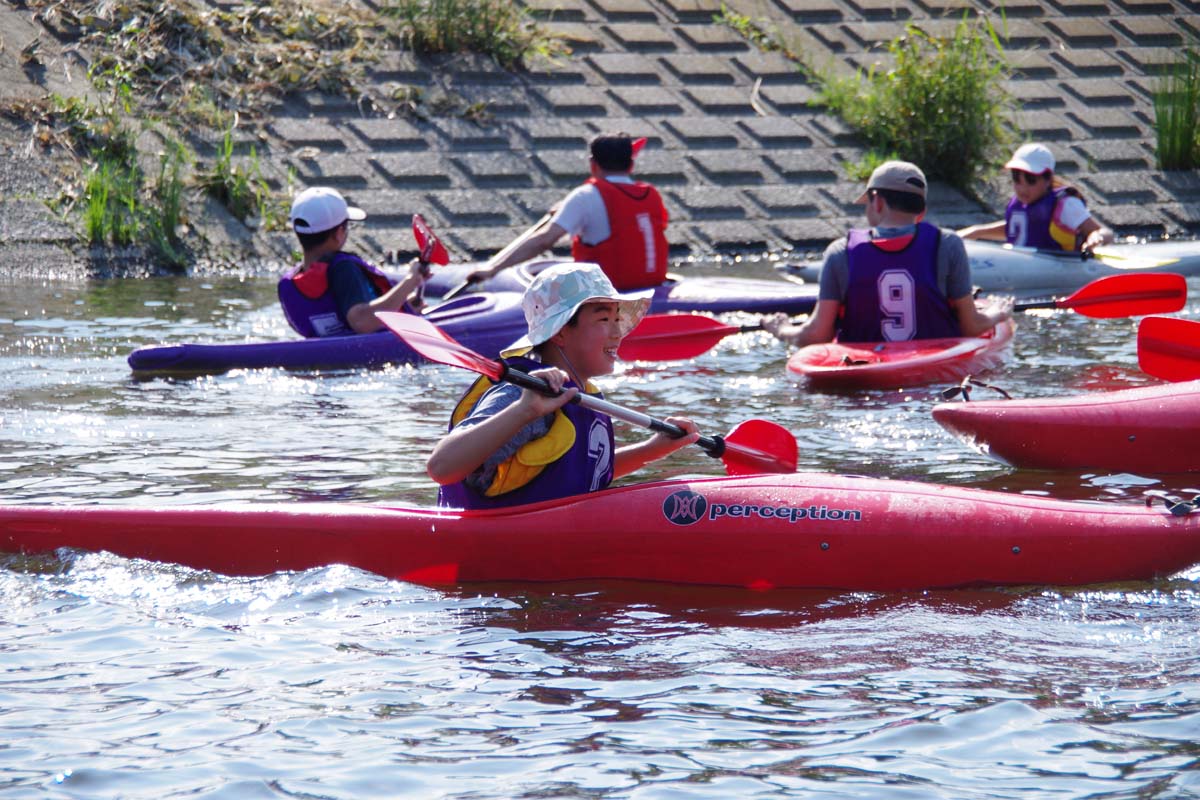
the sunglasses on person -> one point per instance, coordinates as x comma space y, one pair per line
1019, 176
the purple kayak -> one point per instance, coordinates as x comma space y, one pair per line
680, 293
485, 323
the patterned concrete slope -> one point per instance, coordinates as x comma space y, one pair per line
742, 158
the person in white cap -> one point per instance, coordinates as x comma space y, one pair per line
1044, 212
614, 221
898, 280
507, 445
333, 292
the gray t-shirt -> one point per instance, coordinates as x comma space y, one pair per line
495, 400
953, 268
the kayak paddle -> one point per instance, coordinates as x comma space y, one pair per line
458, 289
429, 250
1103, 254
1128, 295
754, 446
1169, 348
673, 337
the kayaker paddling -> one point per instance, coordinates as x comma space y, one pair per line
333, 292
899, 280
1045, 211
614, 221
508, 445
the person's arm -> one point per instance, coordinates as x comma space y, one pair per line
972, 320
361, 316
521, 250
819, 327
633, 457
1094, 234
992, 231
467, 447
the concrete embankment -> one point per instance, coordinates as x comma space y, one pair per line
743, 160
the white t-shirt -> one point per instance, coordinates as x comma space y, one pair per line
582, 213
1074, 213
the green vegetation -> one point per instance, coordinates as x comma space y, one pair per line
241, 188
498, 28
1177, 113
940, 105
751, 31
185, 66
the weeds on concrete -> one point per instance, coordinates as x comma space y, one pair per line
941, 105
1177, 113
240, 187
497, 28
118, 205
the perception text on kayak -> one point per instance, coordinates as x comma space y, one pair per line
686, 507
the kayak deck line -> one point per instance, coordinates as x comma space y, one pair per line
801, 530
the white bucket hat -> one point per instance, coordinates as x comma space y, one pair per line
320, 208
1036, 159
557, 293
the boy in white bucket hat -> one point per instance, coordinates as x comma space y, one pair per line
1045, 211
509, 446
333, 292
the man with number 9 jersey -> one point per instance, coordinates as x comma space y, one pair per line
898, 280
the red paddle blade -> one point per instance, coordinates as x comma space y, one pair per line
428, 244
431, 342
757, 446
1129, 295
1169, 348
673, 337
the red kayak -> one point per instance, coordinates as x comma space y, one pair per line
759, 532
897, 365
1153, 429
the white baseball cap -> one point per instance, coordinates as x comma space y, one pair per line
557, 293
1035, 159
319, 208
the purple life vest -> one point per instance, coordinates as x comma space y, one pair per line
586, 467
894, 296
1040, 224
309, 305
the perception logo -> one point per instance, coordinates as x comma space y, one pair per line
684, 507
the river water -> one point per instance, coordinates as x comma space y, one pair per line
126, 679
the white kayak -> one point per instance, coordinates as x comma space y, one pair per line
999, 267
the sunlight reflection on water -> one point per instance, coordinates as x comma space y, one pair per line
133, 679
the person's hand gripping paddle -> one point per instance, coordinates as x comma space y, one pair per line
754, 446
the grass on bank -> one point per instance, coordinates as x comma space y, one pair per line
1177, 113
941, 104
182, 65
498, 28
241, 187
120, 205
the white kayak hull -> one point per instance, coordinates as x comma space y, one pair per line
1000, 268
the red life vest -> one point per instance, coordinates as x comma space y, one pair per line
634, 256
308, 304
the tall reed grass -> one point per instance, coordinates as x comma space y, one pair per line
1177, 113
